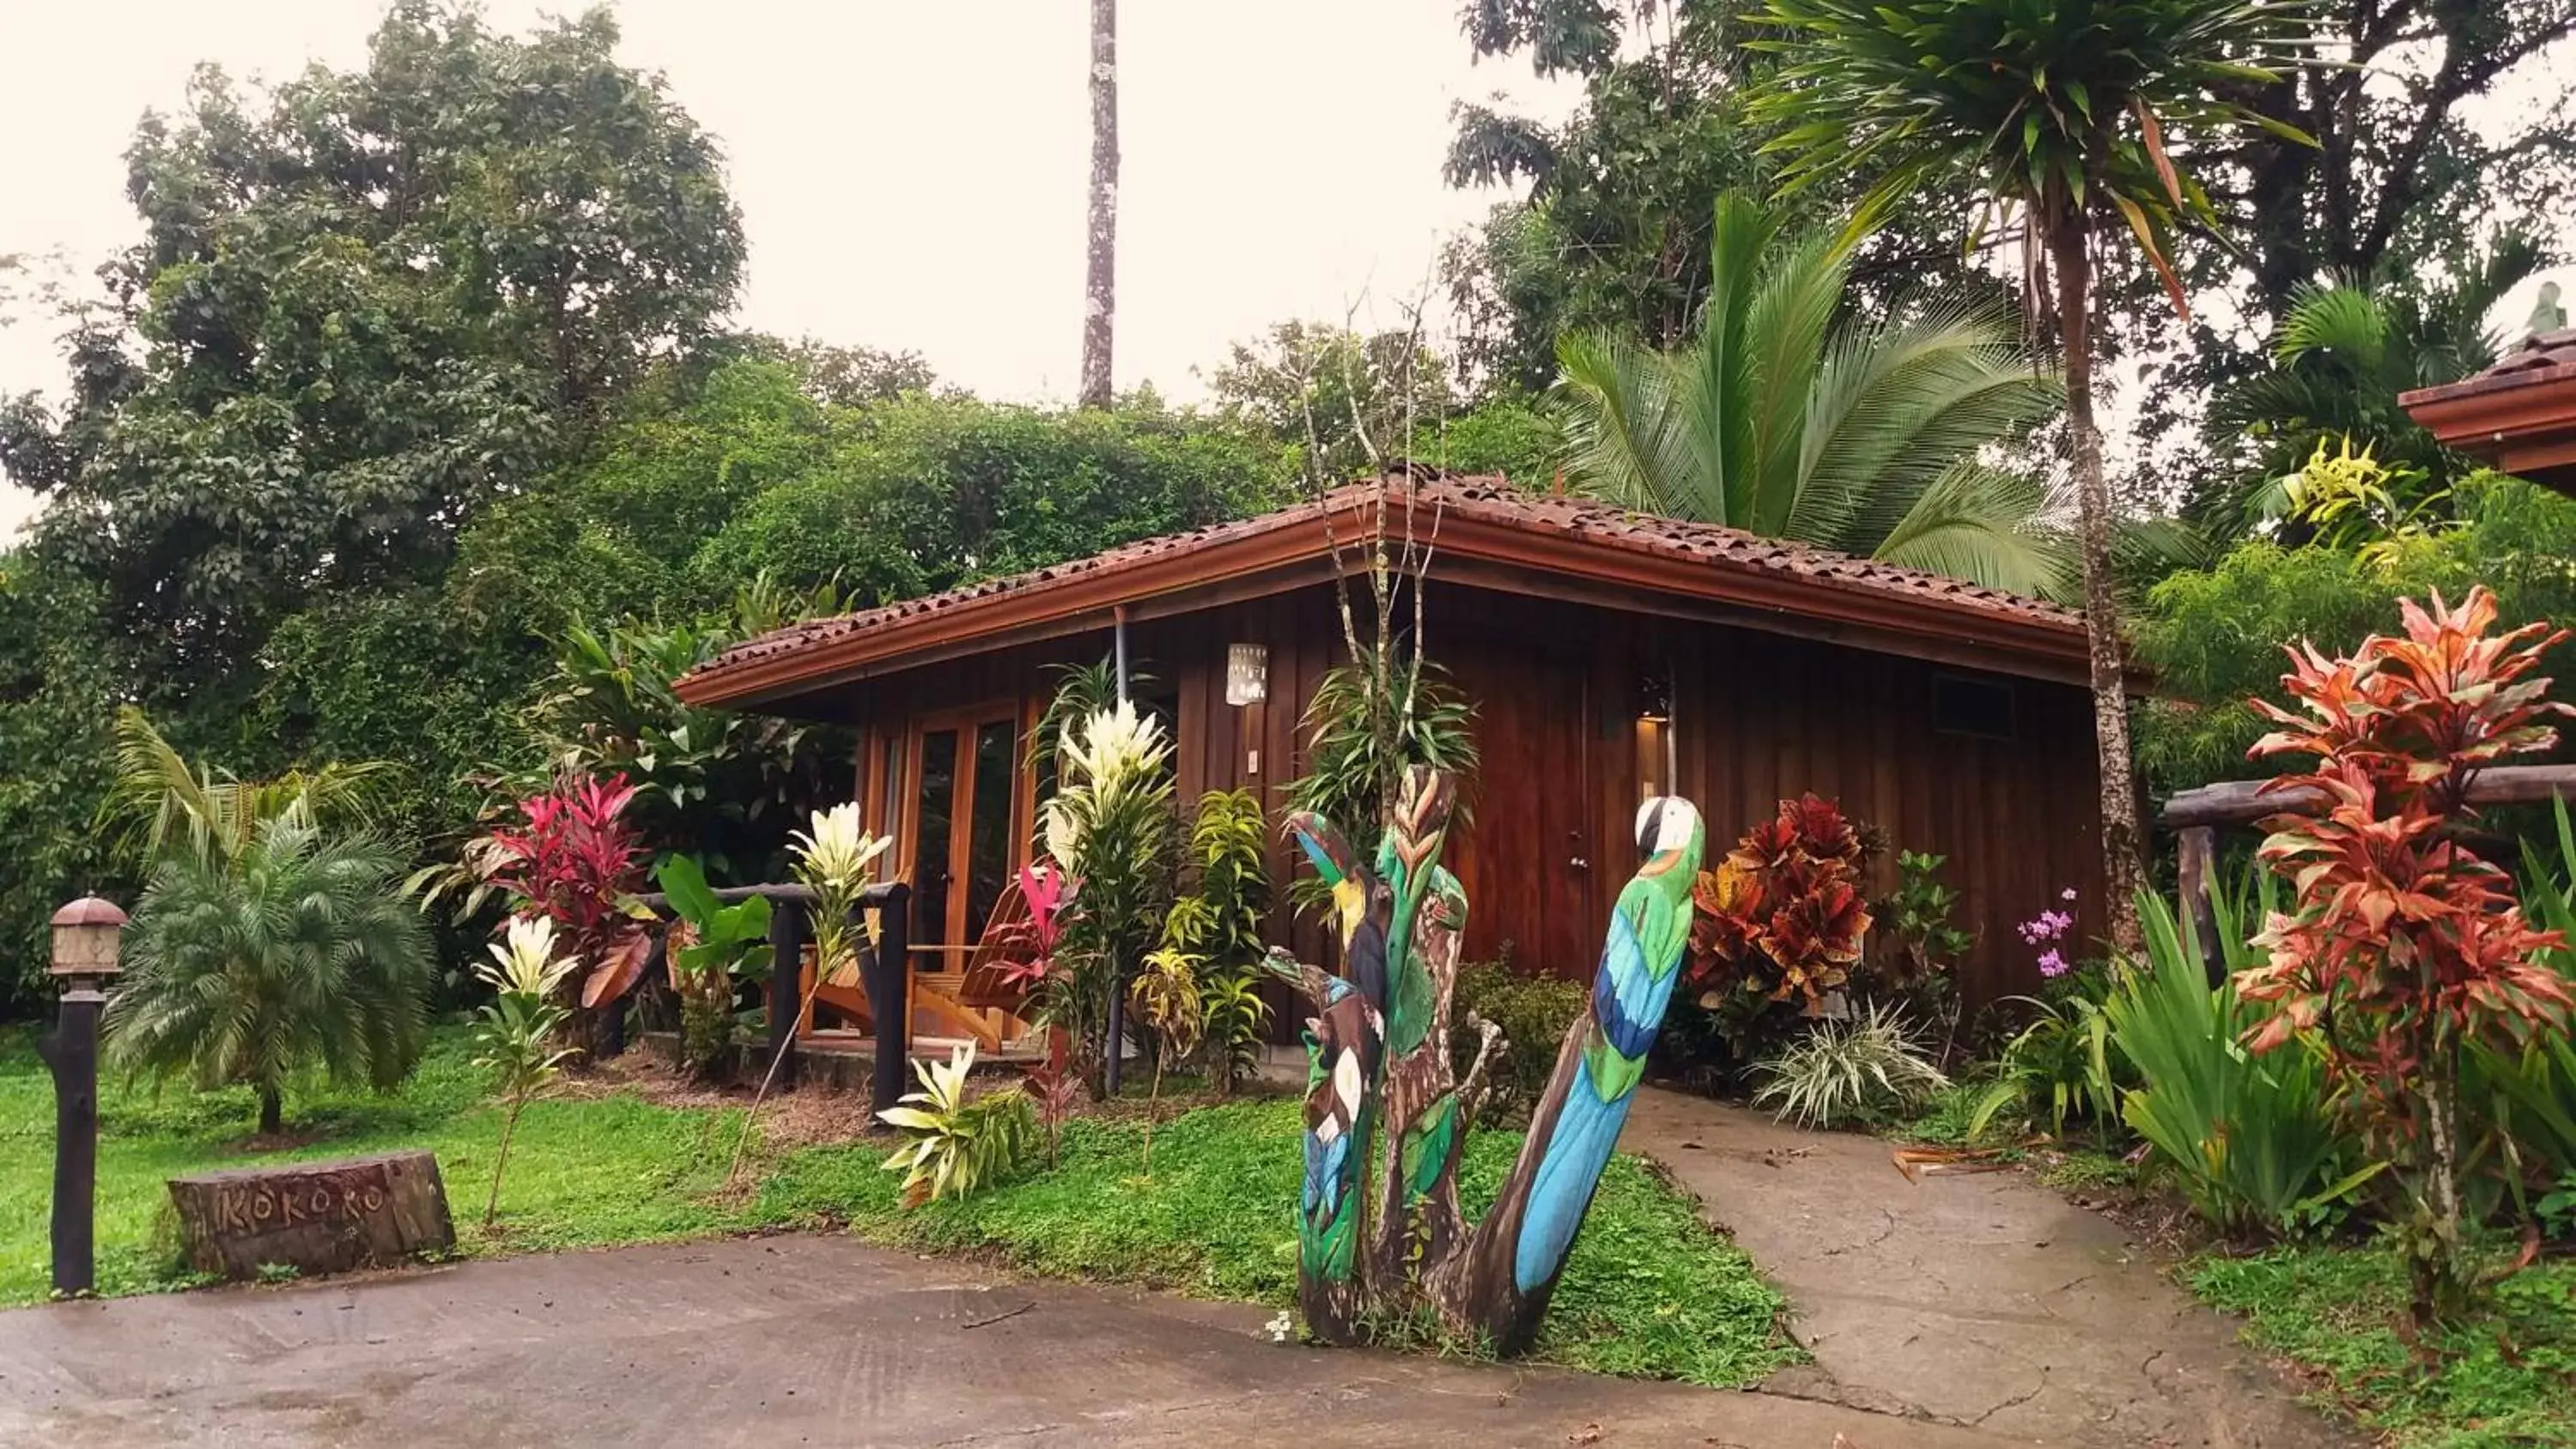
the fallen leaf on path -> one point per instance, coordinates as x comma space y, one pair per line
1918, 1163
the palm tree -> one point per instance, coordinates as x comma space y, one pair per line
2056, 110
295, 952
166, 805
1785, 420
1100, 254
2342, 353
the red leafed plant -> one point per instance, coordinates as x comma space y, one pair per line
2403, 944
1027, 958
576, 863
1783, 914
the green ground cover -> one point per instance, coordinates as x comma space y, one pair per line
2501, 1380
1650, 1290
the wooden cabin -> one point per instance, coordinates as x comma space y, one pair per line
1610, 656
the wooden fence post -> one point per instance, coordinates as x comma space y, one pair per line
2197, 850
71, 1049
786, 983
889, 996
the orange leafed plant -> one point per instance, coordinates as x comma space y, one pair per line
2404, 944
1785, 904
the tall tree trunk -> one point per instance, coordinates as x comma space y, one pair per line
2120, 849
1100, 290
272, 1112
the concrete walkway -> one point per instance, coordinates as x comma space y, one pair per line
1981, 1300
802, 1341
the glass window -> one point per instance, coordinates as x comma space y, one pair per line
988, 840
930, 838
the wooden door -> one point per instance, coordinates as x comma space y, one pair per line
1532, 856
961, 827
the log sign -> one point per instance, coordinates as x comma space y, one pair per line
314, 1217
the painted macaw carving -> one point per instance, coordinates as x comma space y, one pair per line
1385, 1105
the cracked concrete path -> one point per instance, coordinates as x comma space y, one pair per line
1982, 1300
803, 1340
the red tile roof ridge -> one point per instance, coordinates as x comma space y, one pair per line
1488, 498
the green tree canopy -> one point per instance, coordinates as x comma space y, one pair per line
2214, 636
365, 304
2342, 354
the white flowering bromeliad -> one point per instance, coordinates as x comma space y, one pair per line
1108, 826
838, 852
835, 862
1118, 746
519, 1027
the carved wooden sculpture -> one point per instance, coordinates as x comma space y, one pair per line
1383, 1103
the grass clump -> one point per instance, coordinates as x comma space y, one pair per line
2502, 1379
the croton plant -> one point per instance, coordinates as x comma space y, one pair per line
2403, 944
1783, 914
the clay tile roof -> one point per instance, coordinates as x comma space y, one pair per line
2519, 415
1456, 501
2541, 358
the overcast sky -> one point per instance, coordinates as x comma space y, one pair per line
910, 175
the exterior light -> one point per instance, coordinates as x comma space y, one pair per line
85, 941
86, 935
1247, 673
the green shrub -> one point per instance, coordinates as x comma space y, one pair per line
2062, 1067
290, 954
1533, 1011
2251, 1141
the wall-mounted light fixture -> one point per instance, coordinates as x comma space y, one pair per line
1247, 673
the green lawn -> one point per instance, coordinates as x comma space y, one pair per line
1650, 1291
2506, 1378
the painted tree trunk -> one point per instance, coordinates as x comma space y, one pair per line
1100, 288
1389, 1069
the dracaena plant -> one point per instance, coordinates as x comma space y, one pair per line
2403, 948
1110, 826
518, 1030
1028, 956
576, 861
1167, 1001
955, 1145
837, 862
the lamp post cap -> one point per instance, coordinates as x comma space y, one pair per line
90, 911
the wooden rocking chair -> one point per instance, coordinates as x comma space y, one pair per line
981, 1003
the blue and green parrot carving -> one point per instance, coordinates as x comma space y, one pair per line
1378, 1069
1641, 960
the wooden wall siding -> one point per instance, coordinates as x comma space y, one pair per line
1762, 718
1756, 717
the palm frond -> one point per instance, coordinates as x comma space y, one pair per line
1622, 419
1781, 419
1783, 335
2343, 322
160, 802
1898, 406
1978, 524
